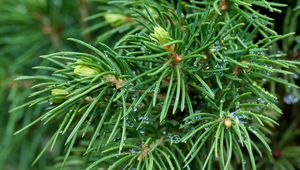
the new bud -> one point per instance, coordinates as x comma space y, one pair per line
227, 122
83, 70
115, 19
58, 95
59, 92
160, 35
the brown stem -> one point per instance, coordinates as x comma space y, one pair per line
84, 13
52, 33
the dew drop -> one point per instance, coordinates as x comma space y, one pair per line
142, 131
258, 108
50, 101
116, 139
146, 121
175, 139
197, 118
260, 101
140, 118
130, 124
254, 16
134, 151
290, 99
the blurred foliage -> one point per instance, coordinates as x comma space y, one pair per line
29, 28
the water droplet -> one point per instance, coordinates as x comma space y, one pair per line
218, 66
152, 89
212, 50
145, 119
134, 151
142, 131
175, 139
134, 109
130, 124
242, 119
290, 99
236, 117
251, 52
258, 108
140, 118
296, 76
254, 16
50, 101
197, 118
260, 101
116, 139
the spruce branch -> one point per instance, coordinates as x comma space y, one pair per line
184, 81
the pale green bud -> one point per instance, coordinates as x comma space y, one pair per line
160, 35
58, 95
59, 92
83, 70
115, 19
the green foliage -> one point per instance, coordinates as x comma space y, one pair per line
28, 29
180, 85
